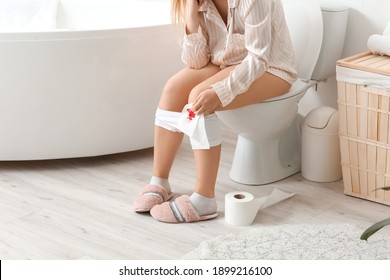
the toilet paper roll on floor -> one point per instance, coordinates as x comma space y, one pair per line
241, 208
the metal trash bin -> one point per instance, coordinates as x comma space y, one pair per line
321, 158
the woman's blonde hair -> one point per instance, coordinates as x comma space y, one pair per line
178, 13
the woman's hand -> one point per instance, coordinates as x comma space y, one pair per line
206, 103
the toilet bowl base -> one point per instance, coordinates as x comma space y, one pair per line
259, 162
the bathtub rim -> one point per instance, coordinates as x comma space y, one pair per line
74, 33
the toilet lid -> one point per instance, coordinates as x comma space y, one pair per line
298, 87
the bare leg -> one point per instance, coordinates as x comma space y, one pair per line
174, 97
166, 144
207, 163
265, 87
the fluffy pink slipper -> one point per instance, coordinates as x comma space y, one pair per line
150, 196
178, 211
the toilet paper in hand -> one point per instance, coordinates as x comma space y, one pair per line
193, 126
241, 207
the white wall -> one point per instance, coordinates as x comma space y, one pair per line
366, 17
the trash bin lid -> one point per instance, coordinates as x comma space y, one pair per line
332, 6
323, 118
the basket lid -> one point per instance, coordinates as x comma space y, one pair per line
368, 62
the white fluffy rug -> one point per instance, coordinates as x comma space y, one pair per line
295, 242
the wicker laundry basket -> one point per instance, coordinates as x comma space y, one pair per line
363, 83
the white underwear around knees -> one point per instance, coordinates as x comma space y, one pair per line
213, 134
167, 119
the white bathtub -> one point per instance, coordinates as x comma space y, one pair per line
89, 87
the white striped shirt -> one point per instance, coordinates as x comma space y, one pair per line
256, 38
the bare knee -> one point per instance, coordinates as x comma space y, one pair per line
194, 94
174, 96
184, 87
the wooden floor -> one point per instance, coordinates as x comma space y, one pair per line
81, 208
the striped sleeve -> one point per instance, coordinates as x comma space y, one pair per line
195, 52
258, 38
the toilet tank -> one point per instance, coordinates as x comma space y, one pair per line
335, 18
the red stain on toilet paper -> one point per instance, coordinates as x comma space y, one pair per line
191, 114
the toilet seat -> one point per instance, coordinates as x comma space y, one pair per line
296, 88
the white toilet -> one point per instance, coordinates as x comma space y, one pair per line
269, 138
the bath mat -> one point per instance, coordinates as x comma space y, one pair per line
295, 242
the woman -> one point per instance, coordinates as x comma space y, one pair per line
237, 53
